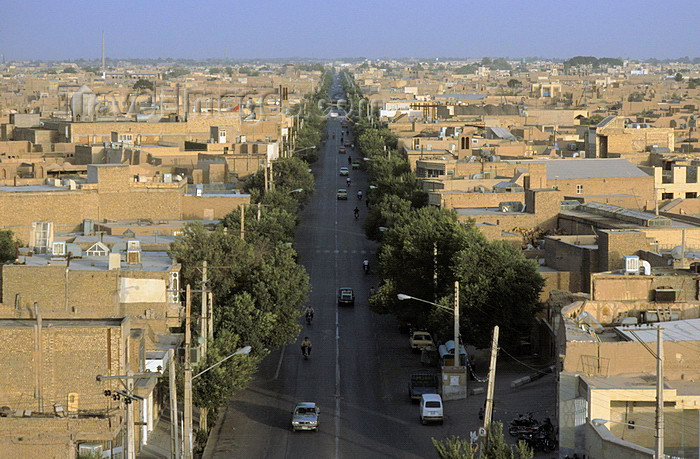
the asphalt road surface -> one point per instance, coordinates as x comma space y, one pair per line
358, 370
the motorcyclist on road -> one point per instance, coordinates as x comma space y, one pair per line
349, 159
309, 312
359, 194
365, 265
347, 180
306, 346
357, 212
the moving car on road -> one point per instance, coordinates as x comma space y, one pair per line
344, 171
342, 194
305, 416
346, 297
340, 149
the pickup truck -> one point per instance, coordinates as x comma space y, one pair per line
422, 382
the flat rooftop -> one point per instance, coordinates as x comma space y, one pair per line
150, 261
32, 188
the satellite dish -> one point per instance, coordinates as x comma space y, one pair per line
677, 252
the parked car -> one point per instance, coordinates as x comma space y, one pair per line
346, 297
305, 416
342, 194
420, 339
344, 171
423, 382
431, 409
355, 164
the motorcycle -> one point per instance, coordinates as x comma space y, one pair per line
305, 351
309, 318
539, 441
359, 195
365, 266
523, 425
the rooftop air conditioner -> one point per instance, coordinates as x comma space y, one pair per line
631, 264
58, 249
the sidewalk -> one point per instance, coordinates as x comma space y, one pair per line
158, 445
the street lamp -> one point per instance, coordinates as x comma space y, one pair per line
403, 296
601, 422
241, 351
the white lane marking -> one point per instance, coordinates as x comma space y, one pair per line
279, 364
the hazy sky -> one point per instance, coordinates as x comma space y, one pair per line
31, 29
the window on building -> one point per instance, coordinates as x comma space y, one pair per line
691, 195
579, 189
666, 195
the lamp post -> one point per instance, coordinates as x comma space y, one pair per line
188, 396
402, 296
600, 422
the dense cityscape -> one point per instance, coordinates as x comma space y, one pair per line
209, 257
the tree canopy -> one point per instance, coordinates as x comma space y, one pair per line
8, 246
495, 447
142, 83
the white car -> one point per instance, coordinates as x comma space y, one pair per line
344, 171
305, 416
431, 408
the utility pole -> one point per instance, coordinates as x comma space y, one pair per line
187, 429
488, 411
210, 317
243, 222
204, 333
435, 271
130, 437
458, 354
203, 329
174, 431
659, 393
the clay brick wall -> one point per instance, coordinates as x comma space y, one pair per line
210, 207
71, 357
67, 293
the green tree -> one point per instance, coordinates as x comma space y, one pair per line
498, 286
513, 83
259, 289
408, 265
142, 83
466, 69
275, 224
592, 120
678, 77
8, 246
494, 446
69, 70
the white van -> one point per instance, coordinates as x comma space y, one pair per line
430, 408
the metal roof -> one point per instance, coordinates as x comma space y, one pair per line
627, 215
502, 132
675, 330
564, 169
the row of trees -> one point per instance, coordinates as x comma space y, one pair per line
259, 289
425, 249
